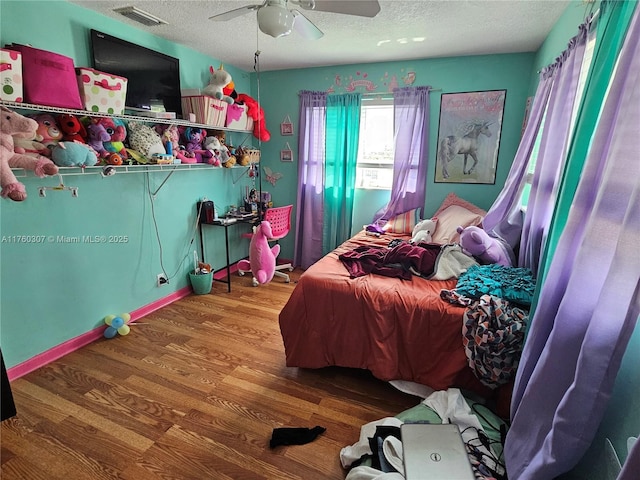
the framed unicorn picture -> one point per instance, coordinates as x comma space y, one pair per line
469, 136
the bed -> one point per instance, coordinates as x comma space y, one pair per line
398, 329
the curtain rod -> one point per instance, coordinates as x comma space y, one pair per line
379, 94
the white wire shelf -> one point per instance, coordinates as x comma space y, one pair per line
73, 111
123, 169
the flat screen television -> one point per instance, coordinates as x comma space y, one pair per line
153, 78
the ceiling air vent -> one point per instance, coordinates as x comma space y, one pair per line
140, 16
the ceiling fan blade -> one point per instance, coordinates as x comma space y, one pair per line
361, 8
305, 27
236, 12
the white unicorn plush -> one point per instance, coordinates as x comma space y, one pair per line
219, 79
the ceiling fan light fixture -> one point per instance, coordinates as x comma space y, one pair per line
275, 20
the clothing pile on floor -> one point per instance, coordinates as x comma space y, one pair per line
377, 455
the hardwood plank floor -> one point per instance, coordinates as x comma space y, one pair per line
193, 392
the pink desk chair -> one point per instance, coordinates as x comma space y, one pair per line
280, 220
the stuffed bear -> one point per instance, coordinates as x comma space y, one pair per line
423, 231
47, 132
195, 137
15, 124
219, 79
485, 248
262, 257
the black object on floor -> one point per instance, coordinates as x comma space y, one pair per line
294, 435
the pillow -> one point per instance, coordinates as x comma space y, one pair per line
448, 221
403, 223
453, 199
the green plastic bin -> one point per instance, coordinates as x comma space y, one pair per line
201, 283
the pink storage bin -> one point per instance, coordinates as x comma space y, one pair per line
11, 76
102, 92
49, 78
208, 110
237, 117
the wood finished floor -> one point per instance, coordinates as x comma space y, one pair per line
193, 392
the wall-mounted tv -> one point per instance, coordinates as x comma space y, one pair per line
153, 77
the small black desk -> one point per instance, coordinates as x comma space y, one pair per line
238, 221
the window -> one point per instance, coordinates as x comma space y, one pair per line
375, 148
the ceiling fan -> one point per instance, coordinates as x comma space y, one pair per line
276, 20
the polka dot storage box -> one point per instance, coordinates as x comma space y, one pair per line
101, 92
10, 75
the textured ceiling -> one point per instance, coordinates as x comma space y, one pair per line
403, 30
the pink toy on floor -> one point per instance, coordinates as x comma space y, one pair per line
13, 123
262, 258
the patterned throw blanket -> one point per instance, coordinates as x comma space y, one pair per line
493, 335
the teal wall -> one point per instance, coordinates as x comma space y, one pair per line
279, 97
52, 292
622, 418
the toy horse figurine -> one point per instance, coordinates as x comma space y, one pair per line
262, 258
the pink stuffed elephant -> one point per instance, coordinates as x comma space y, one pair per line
262, 258
486, 249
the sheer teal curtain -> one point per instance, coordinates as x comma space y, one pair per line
341, 147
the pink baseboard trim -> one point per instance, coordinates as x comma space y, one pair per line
220, 274
80, 341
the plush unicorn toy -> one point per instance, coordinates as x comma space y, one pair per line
219, 79
262, 258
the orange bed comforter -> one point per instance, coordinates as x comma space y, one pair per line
398, 329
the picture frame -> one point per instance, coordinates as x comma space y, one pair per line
469, 136
286, 154
286, 127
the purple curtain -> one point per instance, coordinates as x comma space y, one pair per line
590, 301
411, 123
311, 154
504, 217
553, 151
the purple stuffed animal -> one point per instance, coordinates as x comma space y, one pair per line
486, 249
195, 138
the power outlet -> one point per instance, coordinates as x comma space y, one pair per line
162, 279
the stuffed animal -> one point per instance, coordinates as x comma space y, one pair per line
145, 140
262, 257
255, 111
170, 136
423, 231
96, 137
219, 79
485, 248
48, 132
195, 137
74, 154
117, 133
72, 129
212, 144
29, 146
15, 124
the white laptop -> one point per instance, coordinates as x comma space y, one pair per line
434, 452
